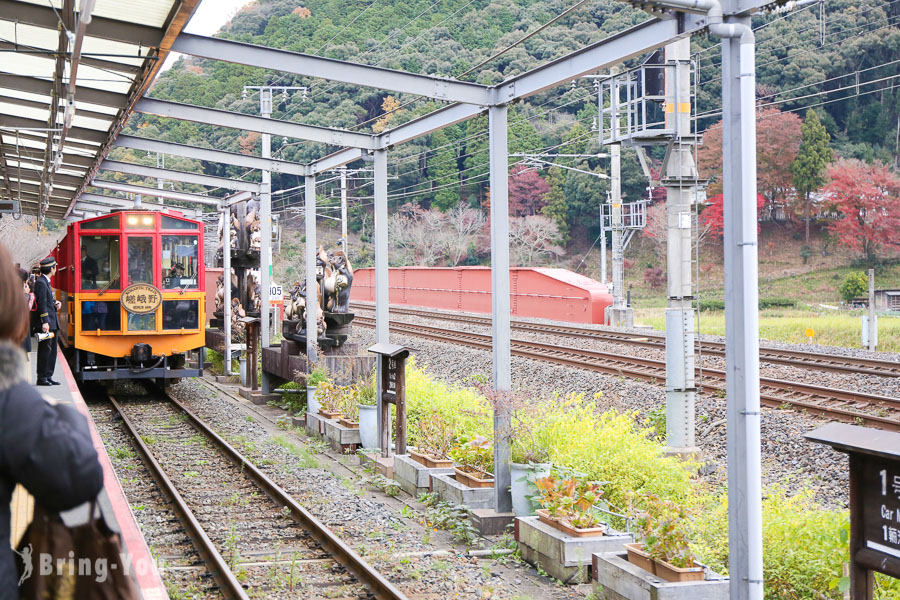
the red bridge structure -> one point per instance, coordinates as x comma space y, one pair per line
545, 293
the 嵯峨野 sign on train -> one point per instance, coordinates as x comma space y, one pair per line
141, 298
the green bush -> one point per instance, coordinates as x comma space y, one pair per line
854, 285
714, 304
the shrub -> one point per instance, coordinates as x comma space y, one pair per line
654, 277
854, 285
777, 303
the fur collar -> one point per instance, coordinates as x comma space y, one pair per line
12, 365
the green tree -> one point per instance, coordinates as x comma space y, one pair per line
556, 207
443, 171
809, 167
855, 285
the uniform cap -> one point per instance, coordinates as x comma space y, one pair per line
48, 262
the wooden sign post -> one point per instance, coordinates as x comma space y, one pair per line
391, 374
874, 501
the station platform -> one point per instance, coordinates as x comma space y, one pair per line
112, 502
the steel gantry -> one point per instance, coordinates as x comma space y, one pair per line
674, 19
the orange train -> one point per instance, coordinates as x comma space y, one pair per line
132, 286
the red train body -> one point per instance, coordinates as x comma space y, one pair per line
545, 293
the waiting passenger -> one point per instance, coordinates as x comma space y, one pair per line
43, 446
89, 272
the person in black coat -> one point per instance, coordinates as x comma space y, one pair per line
47, 307
44, 447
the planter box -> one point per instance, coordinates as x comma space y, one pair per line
563, 556
615, 578
342, 439
299, 422
430, 461
380, 464
566, 527
315, 425
413, 477
329, 414
637, 556
450, 490
348, 423
468, 479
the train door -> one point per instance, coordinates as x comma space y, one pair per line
142, 257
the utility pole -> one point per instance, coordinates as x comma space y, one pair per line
344, 212
872, 324
160, 164
265, 217
680, 179
603, 243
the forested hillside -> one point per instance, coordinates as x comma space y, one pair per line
840, 59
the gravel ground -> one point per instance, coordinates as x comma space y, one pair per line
788, 460
394, 541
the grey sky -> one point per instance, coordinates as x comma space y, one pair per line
209, 17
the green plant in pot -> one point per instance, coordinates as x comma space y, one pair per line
313, 379
476, 458
348, 405
662, 526
434, 439
568, 505
329, 396
528, 461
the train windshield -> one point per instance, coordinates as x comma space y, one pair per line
180, 263
100, 262
140, 260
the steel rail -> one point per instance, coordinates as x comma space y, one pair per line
793, 358
834, 403
378, 585
214, 561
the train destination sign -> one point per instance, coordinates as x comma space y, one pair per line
874, 501
141, 298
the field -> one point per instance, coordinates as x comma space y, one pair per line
789, 325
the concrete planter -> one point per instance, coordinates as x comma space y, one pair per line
368, 426
413, 477
450, 490
315, 424
473, 478
563, 556
615, 578
523, 476
341, 438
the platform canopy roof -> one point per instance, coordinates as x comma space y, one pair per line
68, 82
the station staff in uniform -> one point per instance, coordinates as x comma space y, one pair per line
47, 307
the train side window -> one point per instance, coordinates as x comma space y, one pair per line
110, 222
173, 223
100, 314
140, 260
99, 262
180, 262
178, 314
142, 322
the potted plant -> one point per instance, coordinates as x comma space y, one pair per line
349, 407
664, 550
476, 458
368, 416
435, 438
528, 461
316, 377
329, 396
568, 505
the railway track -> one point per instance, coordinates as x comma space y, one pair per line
793, 358
843, 405
254, 538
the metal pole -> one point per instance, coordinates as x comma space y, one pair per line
616, 225
161, 163
312, 301
382, 286
680, 180
344, 246
499, 159
872, 325
602, 251
226, 280
741, 311
265, 245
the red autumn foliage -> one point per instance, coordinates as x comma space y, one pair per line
713, 216
302, 12
777, 143
527, 190
869, 198
654, 277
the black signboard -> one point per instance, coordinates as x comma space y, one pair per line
874, 501
391, 368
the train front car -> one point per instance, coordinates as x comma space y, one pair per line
133, 287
